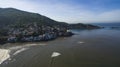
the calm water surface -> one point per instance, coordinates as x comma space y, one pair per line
88, 48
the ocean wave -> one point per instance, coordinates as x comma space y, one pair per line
4, 55
21, 50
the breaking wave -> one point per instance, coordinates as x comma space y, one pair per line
5, 53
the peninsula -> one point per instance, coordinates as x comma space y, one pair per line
21, 26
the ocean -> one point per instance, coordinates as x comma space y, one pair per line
87, 48
107, 24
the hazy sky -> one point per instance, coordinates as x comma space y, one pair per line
71, 11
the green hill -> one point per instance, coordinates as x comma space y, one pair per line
10, 16
14, 17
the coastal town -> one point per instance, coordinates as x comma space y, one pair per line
35, 33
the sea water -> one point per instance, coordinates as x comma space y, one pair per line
87, 48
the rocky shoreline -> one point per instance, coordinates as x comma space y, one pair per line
34, 33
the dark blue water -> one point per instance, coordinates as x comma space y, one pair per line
107, 24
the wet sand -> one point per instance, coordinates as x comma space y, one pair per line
88, 48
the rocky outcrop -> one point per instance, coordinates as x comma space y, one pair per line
34, 32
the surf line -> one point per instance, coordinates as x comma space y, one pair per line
4, 55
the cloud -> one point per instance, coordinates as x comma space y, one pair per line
107, 16
17, 4
66, 12
110, 16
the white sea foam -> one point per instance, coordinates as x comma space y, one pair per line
4, 55
26, 45
21, 50
23, 46
81, 42
55, 54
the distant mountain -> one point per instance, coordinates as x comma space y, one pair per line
83, 26
12, 16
